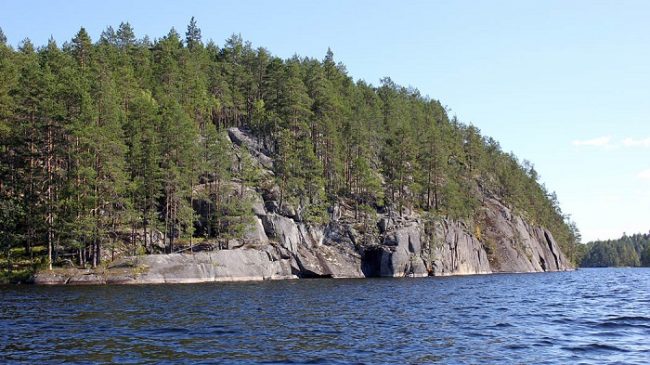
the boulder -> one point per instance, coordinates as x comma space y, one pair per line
284, 229
329, 261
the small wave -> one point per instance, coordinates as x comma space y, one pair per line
222, 332
167, 330
545, 342
502, 325
629, 319
562, 320
609, 334
621, 325
516, 347
623, 322
597, 347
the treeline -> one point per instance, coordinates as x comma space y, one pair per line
631, 251
103, 138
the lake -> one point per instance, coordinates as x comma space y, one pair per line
590, 316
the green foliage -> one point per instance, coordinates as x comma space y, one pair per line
626, 251
104, 140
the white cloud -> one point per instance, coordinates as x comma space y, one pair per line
595, 142
644, 175
631, 142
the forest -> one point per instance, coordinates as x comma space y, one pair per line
104, 142
632, 251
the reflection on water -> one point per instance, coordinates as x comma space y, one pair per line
589, 316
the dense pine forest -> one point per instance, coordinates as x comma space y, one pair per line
631, 251
104, 142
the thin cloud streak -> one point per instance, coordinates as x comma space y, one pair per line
595, 142
631, 142
606, 142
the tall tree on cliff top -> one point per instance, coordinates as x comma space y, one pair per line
193, 35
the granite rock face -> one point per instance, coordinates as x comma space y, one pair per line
402, 254
519, 246
456, 252
243, 264
278, 245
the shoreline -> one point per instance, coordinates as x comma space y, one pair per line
88, 277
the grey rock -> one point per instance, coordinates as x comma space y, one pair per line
255, 233
329, 261
226, 265
519, 246
272, 206
233, 244
284, 229
403, 257
288, 210
243, 139
385, 224
258, 204
335, 213
338, 235
49, 278
456, 252
311, 236
87, 279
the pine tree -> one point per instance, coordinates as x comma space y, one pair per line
108, 37
178, 154
82, 48
29, 96
143, 163
110, 165
193, 35
125, 36
325, 127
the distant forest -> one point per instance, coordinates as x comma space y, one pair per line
103, 139
631, 251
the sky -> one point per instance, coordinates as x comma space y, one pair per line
563, 84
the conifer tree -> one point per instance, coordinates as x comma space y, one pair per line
143, 164
3, 38
193, 35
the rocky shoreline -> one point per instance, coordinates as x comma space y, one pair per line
282, 248
280, 245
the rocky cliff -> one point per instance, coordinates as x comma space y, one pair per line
280, 245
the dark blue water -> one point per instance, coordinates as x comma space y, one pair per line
591, 316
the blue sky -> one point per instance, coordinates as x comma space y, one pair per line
564, 84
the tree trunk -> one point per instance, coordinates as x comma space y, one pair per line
167, 219
50, 197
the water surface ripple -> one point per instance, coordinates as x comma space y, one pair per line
591, 316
